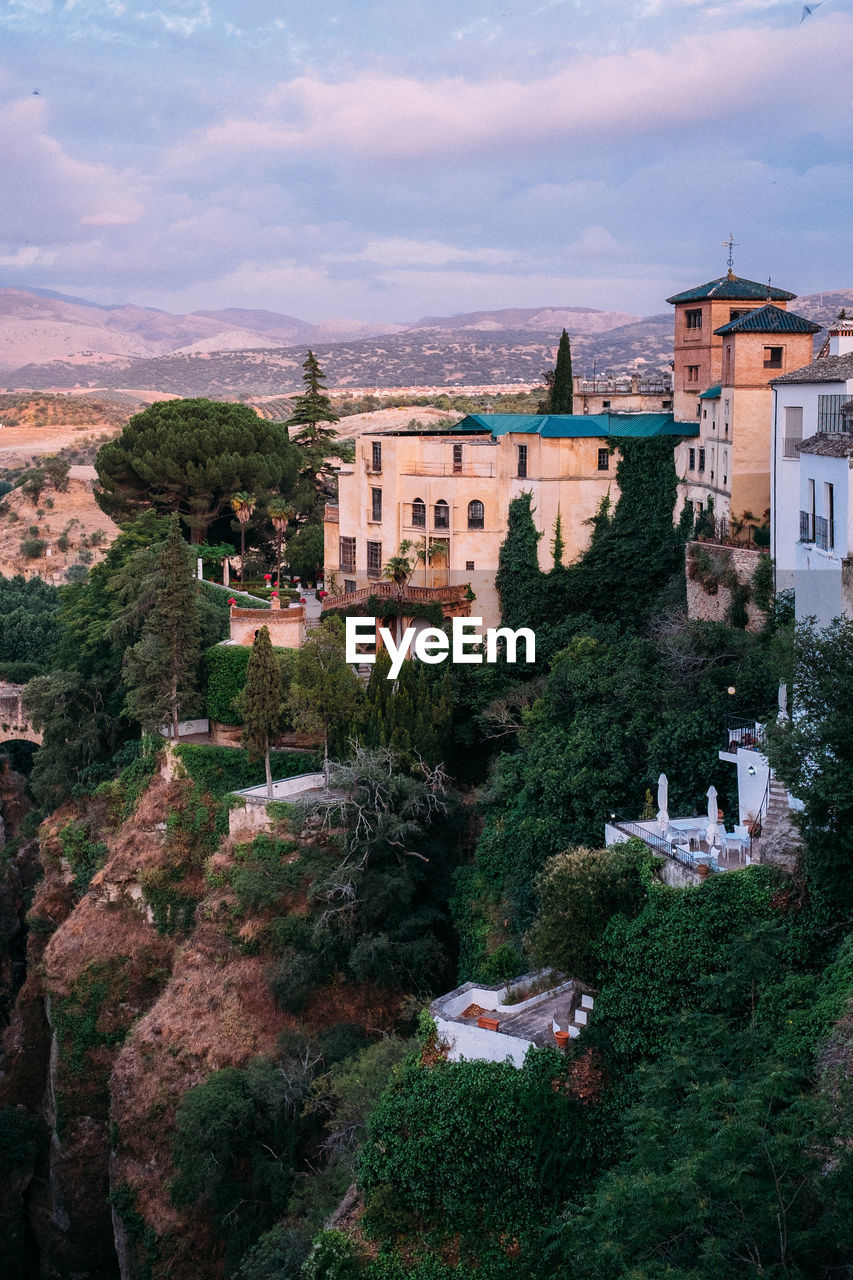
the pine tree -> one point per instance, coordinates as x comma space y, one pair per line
262, 702
562, 389
518, 576
313, 408
326, 694
161, 668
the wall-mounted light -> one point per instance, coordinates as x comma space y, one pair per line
751, 771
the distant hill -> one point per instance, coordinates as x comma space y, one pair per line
412, 359
49, 341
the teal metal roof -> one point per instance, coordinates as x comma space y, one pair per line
735, 289
561, 426
770, 319
713, 393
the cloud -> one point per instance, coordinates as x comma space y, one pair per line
399, 252
695, 82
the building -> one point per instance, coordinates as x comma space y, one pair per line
448, 493
812, 449
732, 338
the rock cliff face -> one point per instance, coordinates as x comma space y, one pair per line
135, 992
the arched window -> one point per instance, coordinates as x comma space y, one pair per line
419, 513
441, 515
476, 515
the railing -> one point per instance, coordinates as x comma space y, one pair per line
806, 526
744, 733
792, 446
429, 595
658, 843
823, 533
474, 470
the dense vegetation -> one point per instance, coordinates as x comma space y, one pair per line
700, 1129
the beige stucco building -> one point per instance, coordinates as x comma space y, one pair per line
732, 337
448, 494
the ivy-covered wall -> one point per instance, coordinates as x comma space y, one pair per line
728, 584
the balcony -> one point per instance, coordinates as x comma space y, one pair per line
791, 448
331, 513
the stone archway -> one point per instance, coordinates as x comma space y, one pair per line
13, 719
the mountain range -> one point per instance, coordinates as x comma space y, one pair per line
51, 340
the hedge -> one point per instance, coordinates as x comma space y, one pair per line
218, 770
226, 676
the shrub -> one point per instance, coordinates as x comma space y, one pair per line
33, 548
218, 770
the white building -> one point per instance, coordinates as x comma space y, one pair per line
811, 526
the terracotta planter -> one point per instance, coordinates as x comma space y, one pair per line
702, 870
562, 1038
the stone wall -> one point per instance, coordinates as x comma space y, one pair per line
286, 626
709, 601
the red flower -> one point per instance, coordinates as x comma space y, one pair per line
232, 600
267, 577
302, 600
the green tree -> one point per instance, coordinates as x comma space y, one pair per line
558, 544
305, 550
812, 753
262, 702
69, 711
313, 412
189, 457
326, 695
578, 892
280, 512
161, 668
562, 388
518, 576
243, 505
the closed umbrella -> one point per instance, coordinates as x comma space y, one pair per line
713, 815
663, 800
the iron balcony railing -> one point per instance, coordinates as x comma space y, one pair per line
823, 533
744, 733
658, 843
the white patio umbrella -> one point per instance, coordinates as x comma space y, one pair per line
713, 815
663, 800
783, 701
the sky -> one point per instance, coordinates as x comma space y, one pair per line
384, 160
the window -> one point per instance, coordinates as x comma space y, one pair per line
692, 464
476, 515
773, 357
419, 513
374, 559
469, 566
522, 461
441, 515
457, 459
349, 585
737, 312
793, 430
605, 404
604, 459
701, 459
704, 413
346, 554
829, 506
666, 404
692, 373
725, 467
829, 413
376, 504
693, 318
376, 456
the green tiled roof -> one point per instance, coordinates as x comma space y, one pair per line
713, 393
561, 426
734, 289
770, 319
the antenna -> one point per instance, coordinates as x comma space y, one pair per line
730, 245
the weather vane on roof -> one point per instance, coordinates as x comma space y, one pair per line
730, 245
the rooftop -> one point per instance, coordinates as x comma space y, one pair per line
826, 369
734, 289
829, 444
770, 319
577, 425
713, 393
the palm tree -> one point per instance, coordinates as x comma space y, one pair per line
280, 513
243, 504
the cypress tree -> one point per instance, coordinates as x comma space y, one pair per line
518, 575
563, 387
161, 668
263, 702
558, 546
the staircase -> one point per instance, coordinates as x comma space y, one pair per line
780, 840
